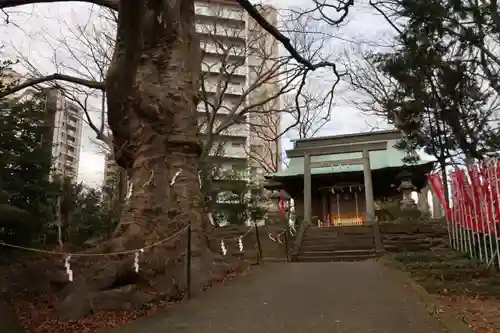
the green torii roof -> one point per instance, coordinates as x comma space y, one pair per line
379, 159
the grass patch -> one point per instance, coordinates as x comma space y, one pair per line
447, 272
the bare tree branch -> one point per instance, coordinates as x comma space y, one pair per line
111, 4
53, 77
285, 41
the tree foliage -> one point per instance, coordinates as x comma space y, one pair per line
24, 166
29, 189
435, 82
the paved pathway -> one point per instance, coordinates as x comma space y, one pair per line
363, 297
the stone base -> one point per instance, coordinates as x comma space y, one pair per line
408, 205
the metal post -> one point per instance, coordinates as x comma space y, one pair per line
307, 189
188, 263
367, 173
494, 182
324, 207
259, 248
286, 245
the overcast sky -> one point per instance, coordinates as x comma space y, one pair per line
37, 33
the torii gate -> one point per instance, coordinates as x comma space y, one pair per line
363, 148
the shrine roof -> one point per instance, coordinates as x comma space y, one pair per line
379, 159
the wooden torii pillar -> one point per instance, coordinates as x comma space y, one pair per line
363, 148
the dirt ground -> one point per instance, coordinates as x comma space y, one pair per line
482, 315
25, 312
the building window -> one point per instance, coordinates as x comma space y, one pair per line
256, 148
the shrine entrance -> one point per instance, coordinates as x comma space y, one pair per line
334, 180
342, 205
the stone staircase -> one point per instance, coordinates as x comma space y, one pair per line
413, 237
340, 243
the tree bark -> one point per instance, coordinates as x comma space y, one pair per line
152, 87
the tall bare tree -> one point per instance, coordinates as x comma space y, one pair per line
151, 87
311, 115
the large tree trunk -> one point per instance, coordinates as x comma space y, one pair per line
152, 87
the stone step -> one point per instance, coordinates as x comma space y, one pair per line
411, 245
410, 241
414, 234
338, 246
340, 240
342, 227
341, 230
335, 258
399, 249
356, 252
402, 229
331, 235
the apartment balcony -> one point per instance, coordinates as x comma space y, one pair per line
228, 104
71, 154
235, 130
257, 62
231, 89
220, 12
232, 150
219, 30
214, 67
71, 143
223, 50
69, 173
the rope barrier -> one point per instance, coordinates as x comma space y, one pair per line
230, 238
290, 228
58, 253
67, 254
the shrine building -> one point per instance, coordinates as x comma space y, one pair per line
336, 180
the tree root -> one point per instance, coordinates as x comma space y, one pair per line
116, 286
111, 282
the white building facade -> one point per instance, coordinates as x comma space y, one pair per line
233, 47
67, 133
227, 35
65, 121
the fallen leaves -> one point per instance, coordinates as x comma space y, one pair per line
38, 315
482, 314
463, 287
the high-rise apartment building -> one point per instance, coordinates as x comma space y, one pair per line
110, 168
236, 51
237, 56
64, 120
